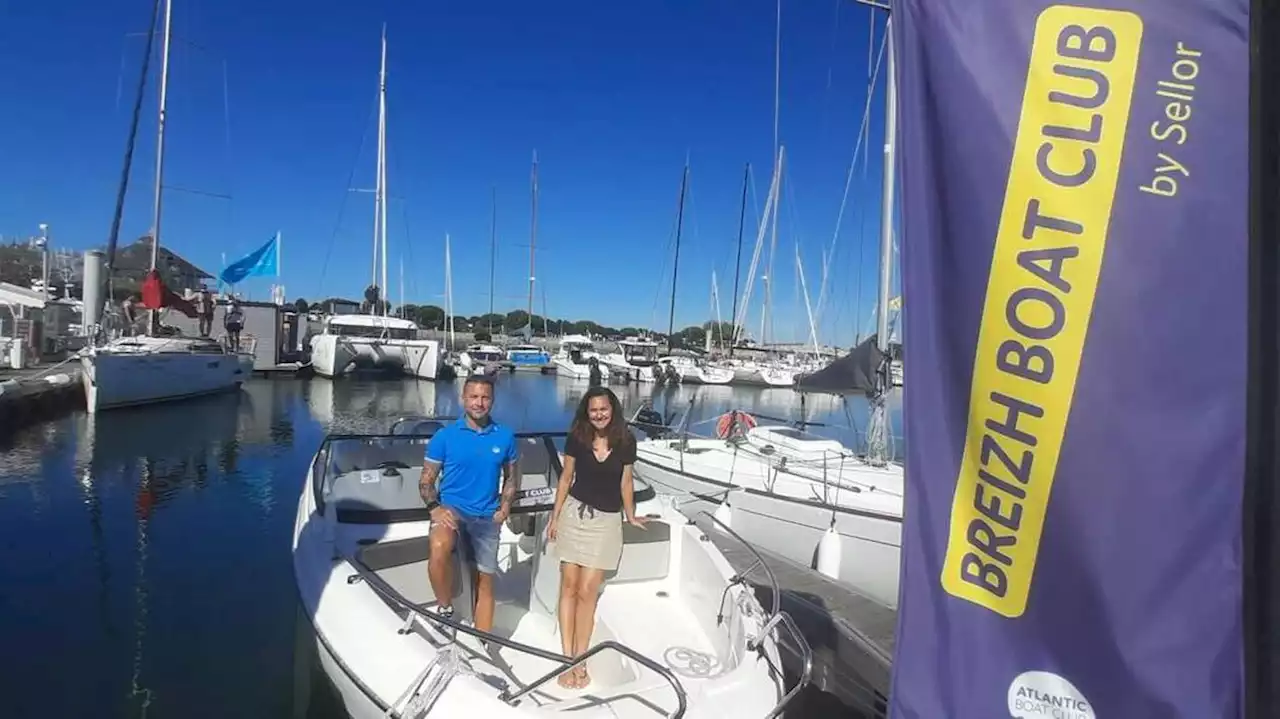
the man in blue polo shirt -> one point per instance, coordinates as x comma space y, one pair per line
472, 458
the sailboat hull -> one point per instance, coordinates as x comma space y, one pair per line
126, 379
791, 527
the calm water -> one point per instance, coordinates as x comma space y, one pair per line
144, 554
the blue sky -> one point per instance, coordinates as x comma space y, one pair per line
613, 97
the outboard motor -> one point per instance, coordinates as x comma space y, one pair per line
649, 421
596, 376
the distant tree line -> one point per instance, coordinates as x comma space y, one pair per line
432, 317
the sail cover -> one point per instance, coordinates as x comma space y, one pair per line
854, 373
1074, 223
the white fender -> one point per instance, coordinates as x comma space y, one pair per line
829, 551
724, 513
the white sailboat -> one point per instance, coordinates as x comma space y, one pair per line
810, 499
130, 371
375, 339
677, 632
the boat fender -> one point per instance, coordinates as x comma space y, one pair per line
829, 551
724, 513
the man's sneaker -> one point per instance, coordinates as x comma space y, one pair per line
446, 612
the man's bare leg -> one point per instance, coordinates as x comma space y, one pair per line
484, 602
440, 564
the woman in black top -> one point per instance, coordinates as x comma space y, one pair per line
594, 495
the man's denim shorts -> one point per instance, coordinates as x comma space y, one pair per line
479, 541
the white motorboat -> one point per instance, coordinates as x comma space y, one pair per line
132, 371
634, 360
573, 357
676, 630
479, 358
787, 491
350, 342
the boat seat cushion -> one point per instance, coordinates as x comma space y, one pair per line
646, 554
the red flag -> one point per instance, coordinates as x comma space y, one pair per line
156, 296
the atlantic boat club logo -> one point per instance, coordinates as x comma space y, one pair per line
1045, 695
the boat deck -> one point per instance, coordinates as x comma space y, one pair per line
852, 637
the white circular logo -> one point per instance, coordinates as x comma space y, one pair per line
1045, 695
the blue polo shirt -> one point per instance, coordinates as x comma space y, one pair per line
471, 465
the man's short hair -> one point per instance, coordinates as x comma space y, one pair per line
483, 379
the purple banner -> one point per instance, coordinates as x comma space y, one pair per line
1074, 221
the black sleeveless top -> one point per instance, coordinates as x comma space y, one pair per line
599, 484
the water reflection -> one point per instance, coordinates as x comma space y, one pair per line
145, 552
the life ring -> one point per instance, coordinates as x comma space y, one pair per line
734, 423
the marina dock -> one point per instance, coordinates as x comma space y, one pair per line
851, 636
29, 395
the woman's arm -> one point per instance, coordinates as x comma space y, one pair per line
562, 492
629, 498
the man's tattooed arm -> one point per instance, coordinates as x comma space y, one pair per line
427, 486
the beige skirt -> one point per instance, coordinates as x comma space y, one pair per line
589, 537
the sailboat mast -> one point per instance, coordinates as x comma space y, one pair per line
493, 250
886, 190
766, 314
675, 266
382, 165
153, 319
533, 235
737, 262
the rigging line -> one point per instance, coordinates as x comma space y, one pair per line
826, 92
860, 145
777, 74
342, 206
667, 256
230, 164
404, 215
113, 238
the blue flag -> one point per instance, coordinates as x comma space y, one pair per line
1074, 213
262, 261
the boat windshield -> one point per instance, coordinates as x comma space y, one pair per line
373, 479
391, 333
637, 353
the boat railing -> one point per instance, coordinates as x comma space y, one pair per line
778, 618
419, 612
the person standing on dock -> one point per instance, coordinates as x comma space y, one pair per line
234, 322
204, 309
471, 458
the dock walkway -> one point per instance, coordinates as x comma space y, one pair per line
851, 636
28, 395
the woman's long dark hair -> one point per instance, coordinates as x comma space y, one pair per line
617, 432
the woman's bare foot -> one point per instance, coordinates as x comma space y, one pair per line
582, 679
568, 679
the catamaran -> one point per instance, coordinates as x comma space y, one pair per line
375, 339
128, 371
677, 631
